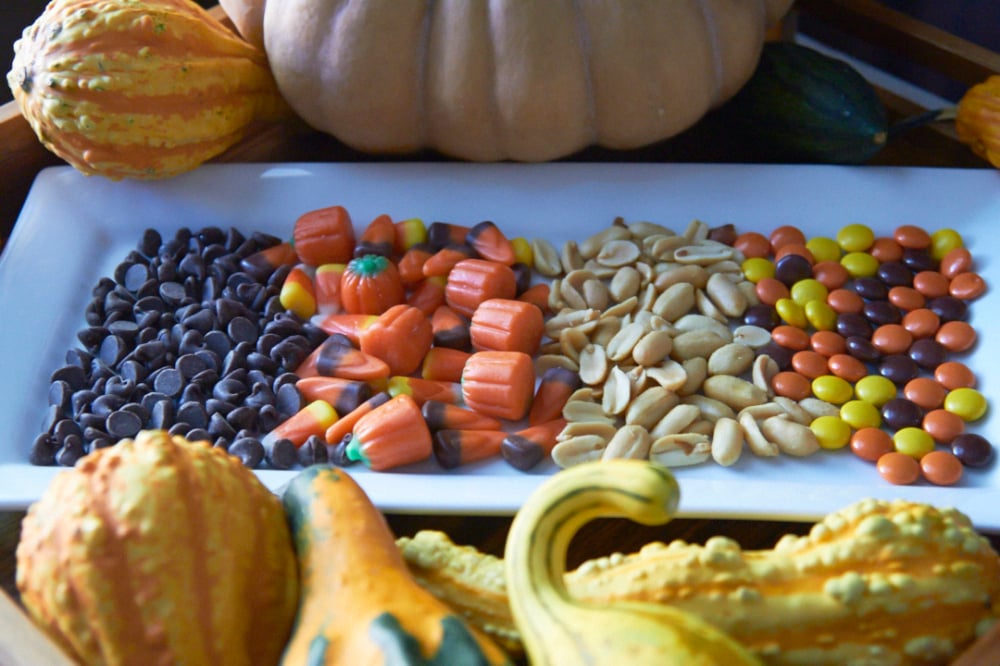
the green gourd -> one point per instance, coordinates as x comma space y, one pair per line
801, 105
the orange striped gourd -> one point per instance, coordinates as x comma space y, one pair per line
138, 88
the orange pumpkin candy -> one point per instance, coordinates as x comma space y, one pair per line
370, 285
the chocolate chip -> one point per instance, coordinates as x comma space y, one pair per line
218, 426
43, 450
281, 454
313, 451
161, 415
288, 399
249, 450
169, 382
193, 413
149, 243
123, 423
71, 451
73, 376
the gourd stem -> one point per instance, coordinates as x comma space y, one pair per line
920, 120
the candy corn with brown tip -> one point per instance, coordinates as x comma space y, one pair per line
454, 448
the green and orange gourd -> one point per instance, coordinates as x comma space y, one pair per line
360, 604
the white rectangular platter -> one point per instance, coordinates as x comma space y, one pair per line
74, 229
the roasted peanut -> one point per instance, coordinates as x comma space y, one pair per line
735, 392
792, 438
631, 441
577, 450
676, 420
731, 359
680, 450
727, 441
649, 406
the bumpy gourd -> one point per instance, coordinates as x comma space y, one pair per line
360, 604
977, 119
506, 79
138, 88
160, 551
877, 582
559, 629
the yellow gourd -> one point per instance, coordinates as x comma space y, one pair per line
138, 88
158, 550
561, 630
878, 582
977, 119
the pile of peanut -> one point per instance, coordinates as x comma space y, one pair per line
650, 320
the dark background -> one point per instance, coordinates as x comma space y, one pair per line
975, 20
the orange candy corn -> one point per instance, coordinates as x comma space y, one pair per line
344, 395
298, 294
446, 416
526, 448
423, 390
444, 364
379, 237
346, 324
345, 424
450, 328
313, 419
453, 448
260, 265
490, 243
391, 435
337, 357
554, 389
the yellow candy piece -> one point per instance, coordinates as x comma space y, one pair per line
831, 431
832, 389
791, 312
968, 403
756, 269
859, 264
860, 414
824, 249
855, 238
875, 389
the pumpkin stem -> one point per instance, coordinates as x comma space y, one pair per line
369, 265
921, 119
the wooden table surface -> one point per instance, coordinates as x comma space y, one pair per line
22, 157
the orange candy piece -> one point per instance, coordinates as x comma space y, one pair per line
324, 236
401, 336
925, 392
790, 384
790, 337
503, 324
490, 243
473, 281
847, 367
370, 285
499, 383
967, 286
891, 339
956, 336
391, 435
